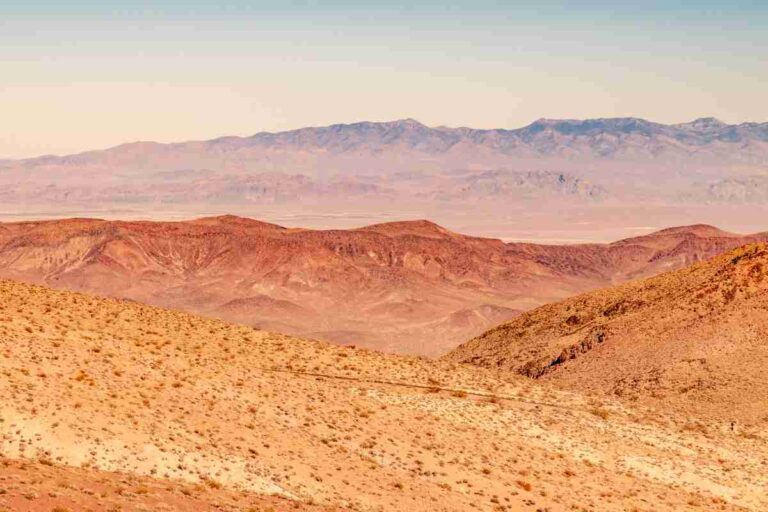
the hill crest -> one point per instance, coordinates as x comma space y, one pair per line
690, 337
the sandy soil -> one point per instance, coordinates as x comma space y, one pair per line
111, 385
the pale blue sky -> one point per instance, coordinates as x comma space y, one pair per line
79, 75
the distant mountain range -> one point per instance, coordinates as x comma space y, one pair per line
546, 137
582, 161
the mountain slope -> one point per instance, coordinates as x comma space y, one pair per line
405, 286
694, 338
111, 385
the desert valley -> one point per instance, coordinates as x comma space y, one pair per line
224, 362
229, 363
333, 256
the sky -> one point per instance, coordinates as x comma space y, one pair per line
81, 75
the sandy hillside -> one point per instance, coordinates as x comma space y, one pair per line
408, 287
41, 486
694, 338
168, 398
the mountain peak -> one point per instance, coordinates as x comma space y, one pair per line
708, 121
699, 230
704, 124
421, 227
409, 121
590, 126
397, 123
235, 220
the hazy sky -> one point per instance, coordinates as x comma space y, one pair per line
78, 75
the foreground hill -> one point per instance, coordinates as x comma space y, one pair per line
43, 486
694, 338
194, 412
410, 287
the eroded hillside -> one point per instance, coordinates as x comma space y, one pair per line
410, 287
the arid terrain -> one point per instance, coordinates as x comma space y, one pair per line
199, 414
409, 287
693, 340
395, 256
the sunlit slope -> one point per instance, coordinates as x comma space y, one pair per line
693, 339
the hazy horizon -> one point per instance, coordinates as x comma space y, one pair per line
89, 75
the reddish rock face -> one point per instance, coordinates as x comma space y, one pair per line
410, 287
